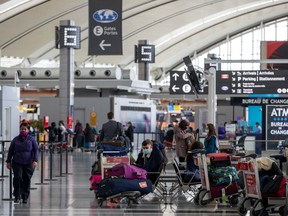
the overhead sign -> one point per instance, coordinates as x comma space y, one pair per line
105, 27
179, 83
243, 101
276, 124
252, 82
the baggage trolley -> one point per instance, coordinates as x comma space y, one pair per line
224, 193
253, 200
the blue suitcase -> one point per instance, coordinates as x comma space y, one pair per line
111, 186
119, 150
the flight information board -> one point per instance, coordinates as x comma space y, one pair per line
252, 82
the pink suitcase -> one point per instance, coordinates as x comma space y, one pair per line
216, 190
127, 171
94, 181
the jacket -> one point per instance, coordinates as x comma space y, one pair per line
110, 130
210, 145
181, 147
23, 150
130, 133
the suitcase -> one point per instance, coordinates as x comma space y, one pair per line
127, 171
95, 180
119, 150
111, 186
221, 175
219, 159
112, 143
216, 190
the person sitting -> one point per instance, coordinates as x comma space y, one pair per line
191, 174
150, 158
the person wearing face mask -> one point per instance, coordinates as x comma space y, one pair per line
22, 158
210, 141
151, 157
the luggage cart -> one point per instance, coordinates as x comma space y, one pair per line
223, 193
253, 200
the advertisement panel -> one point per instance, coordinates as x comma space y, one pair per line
276, 124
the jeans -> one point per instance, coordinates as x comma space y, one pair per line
22, 180
80, 141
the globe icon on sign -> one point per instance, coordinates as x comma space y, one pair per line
105, 16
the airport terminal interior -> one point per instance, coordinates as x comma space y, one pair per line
150, 62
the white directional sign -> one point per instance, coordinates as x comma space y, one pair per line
179, 83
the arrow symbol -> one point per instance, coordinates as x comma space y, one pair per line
174, 88
102, 45
175, 76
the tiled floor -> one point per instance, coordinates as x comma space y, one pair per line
70, 194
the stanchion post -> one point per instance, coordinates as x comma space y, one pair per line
3, 161
51, 163
61, 148
10, 187
42, 165
67, 160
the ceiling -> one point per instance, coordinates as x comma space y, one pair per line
176, 27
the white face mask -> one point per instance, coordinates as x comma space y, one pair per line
207, 131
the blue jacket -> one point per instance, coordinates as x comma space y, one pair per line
23, 150
210, 145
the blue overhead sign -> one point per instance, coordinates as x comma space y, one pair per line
105, 27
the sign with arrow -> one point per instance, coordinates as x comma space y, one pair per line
105, 27
179, 83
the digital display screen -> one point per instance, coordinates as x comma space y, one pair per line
145, 53
70, 37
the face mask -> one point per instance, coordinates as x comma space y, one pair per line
207, 131
147, 151
24, 133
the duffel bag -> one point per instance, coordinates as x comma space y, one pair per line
111, 186
127, 171
222, 175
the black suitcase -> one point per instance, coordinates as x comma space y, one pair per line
111, 186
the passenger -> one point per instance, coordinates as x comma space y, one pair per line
180, 136
61, 132
151, 157
191, 168
130, 134
111, 128
22, 158
89, 136
210, 141
79, 135
169, 134
52, 132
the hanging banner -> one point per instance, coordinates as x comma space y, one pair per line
105, 27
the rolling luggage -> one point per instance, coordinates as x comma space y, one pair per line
111, 186
219, 159
127, 171
220, 190
95, 180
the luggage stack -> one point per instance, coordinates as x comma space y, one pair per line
124, 181
222, 175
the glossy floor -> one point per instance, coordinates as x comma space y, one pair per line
70, 194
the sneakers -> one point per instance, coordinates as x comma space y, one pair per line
16, 200
24, 201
